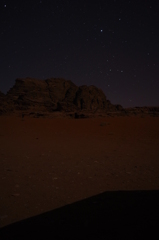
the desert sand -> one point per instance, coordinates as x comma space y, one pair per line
47, 163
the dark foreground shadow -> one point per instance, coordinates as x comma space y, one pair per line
110, 215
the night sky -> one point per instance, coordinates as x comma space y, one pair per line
112, 44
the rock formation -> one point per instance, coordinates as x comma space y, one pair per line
51, 95
3, 104
58, 96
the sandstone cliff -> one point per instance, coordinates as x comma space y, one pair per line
62, 97
52, 95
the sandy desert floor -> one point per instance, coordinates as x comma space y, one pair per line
48, 163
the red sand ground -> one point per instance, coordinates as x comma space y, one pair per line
48, 163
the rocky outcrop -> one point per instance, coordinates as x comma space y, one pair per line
50, 95
62, 97
142, 111
90, 98
3, 104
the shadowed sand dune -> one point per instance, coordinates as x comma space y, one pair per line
110, 215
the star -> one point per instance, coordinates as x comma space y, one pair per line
101, 30
5, 5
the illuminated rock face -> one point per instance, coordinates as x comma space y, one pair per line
56, 94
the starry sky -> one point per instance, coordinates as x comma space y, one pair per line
112, 44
